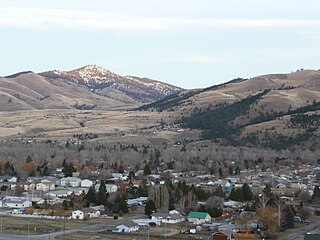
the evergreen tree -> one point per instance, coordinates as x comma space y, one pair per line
247, 192
171, 201
232, 195
143, 189
102, 195
147, 170
64, 163
68, 168
131, 175
316, 193
239, 194
269, 194
121, 169
220, 173
218, 191
149, 208
237, 171
29, 159
288, 217
91, 197
184, 188
214, 211
123, 204
131, 188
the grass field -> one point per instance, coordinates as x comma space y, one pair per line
18, 225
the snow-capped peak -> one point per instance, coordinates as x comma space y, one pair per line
94, 69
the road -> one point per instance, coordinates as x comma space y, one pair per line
301, 231
53, 235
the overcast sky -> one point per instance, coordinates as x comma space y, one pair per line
188, 43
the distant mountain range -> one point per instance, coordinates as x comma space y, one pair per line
277, 111
88, 87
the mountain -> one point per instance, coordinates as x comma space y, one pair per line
277, 111
90, 87
106, 83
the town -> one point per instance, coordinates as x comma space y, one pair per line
148, 203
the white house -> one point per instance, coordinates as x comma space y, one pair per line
167, 217
16, 203
298, 186
233, 204
29, 186
70, 181
9, 179
127, 228
85, 213
59, 193
110, 188
86, 183
117, 175
45, 185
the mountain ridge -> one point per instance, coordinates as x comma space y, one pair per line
96, 78
89, 86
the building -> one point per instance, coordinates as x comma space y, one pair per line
199, 217
111, 188
127, 228
45, 185
167, 217
15, 203
85, 213
70, 181
86, 183
223, 235
10, 179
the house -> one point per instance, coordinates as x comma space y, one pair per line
70, 181
111, 188
29, 186
45, 185
132, 203
127, 228
85, 213
298, 186
233, 204
223, 235
146, 222
281, 186
59, 193
227, 187
199, 217
167, 217
9, 179
15, 203
140, 200
86, 183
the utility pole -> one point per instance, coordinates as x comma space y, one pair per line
64, 225
29, 229
1, 223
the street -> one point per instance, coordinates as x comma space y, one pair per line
301, 231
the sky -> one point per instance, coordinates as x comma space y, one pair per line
188, 43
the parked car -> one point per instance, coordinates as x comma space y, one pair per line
306, 221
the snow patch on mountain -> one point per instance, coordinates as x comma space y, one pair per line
97, 78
